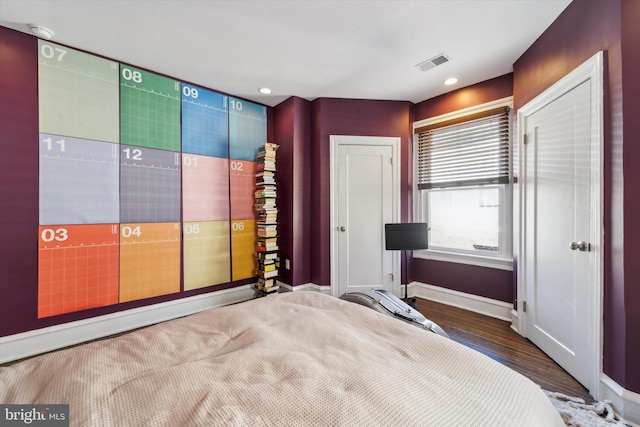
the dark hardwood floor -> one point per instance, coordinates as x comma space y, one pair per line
496, 339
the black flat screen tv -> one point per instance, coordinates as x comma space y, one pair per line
406, 236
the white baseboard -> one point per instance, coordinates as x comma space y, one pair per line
18, 346
486, 306
306, 287
626, 403
515, 321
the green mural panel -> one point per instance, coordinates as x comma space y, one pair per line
77, 94
149, 109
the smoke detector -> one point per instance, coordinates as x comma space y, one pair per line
41, 32
433, 62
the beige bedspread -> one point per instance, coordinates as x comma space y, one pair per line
296, 359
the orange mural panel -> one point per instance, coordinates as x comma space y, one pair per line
77, 267
243, 248
149, 260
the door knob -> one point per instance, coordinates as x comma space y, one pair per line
580, 245
343, 228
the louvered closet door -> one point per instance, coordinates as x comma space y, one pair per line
558, 254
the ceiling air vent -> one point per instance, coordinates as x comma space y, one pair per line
433, 62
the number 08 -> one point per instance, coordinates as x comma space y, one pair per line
129, 74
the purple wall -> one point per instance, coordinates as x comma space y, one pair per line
470, 96
292, 132
584, 28
331, 116
631, 130
18, 180
486, 282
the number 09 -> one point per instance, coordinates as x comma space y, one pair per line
190, 92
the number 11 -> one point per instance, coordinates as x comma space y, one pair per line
49, 142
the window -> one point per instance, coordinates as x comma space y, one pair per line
463, 170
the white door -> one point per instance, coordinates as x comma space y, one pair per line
561, 241
364, 197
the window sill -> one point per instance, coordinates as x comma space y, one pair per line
481, 261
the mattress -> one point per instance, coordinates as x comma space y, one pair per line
295, 359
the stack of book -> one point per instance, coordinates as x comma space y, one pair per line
267, 210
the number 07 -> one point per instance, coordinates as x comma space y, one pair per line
49, 52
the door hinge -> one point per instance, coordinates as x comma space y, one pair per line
525, 140
524, 306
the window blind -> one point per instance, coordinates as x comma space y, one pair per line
471, 150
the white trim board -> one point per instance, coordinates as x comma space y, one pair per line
486, 306
25, 344
625, 403
325, 289
589, 71
335, 142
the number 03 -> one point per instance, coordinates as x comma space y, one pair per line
59, 234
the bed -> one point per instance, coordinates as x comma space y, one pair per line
295, 359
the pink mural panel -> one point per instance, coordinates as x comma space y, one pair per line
205, 188
243, 184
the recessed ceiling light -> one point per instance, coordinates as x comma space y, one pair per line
264, 90
451, 81
41, 32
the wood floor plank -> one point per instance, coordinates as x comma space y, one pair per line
496, 339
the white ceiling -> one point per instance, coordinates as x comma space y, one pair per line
363, 49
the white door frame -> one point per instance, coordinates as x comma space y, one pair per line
591, 70
335, 142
